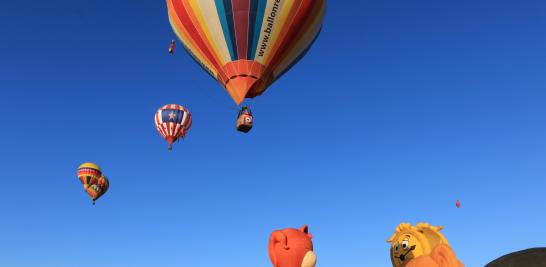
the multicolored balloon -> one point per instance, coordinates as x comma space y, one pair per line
172, 122
246, 44
89, 173
97, 190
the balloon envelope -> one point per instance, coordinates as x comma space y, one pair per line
172, 122
97, 190
246, 44
89, 173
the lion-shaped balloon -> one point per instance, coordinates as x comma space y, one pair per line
421, 246
292, 247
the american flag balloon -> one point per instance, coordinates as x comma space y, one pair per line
172, 122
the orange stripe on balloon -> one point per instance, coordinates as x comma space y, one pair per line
287, 27
185, 18
201, 28
202, 36
241, 9
180, 26
302, 20
307, 38
199, 53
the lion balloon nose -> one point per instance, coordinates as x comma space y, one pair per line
310, 259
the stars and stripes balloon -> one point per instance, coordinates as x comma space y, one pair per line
246, 44
172, 122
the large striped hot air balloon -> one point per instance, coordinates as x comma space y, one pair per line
172, 122
89, 173
246, 44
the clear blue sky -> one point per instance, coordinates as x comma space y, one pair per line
399, 109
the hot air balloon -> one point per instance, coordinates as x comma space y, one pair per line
172, 122
171, 47
97, 190
292, 247
89, 173
458, 204
246, 44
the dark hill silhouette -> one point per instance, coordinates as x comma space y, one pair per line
533, 257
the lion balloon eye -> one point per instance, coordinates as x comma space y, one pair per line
405, 244
396, 248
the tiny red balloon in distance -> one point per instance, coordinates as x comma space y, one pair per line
171, 47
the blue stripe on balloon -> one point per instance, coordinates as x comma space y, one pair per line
256, 26
177, 118
228, 14
251, 26
222, 14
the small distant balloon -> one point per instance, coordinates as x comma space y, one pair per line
94, 182
89, 173
95, 191
458, 203
171, 47
172, 122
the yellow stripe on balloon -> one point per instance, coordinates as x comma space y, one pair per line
286, 28
201, 31
217, 37
304, 42
183, 35
181, 31
281, 21
89, 165
265, 37
196, 52
204, 28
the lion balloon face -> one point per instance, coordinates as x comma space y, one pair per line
409, 242
404, 248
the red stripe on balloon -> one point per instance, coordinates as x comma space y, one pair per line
193, 32
241, 12
303, 18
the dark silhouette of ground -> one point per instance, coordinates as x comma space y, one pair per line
533, 257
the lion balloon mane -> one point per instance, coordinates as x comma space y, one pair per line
421, 246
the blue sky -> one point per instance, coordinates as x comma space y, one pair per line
399, 109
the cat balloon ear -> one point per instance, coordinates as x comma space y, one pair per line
305, 229
279, 237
